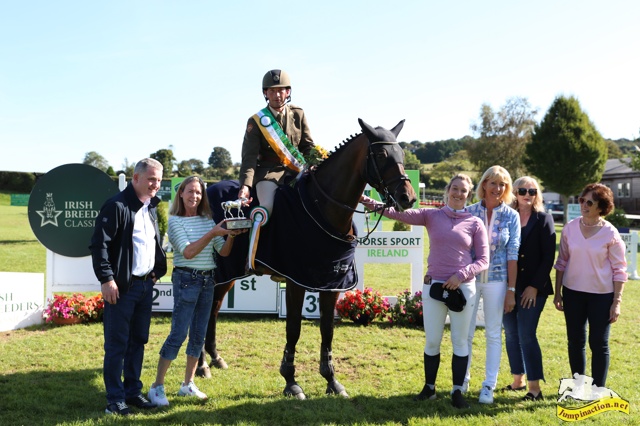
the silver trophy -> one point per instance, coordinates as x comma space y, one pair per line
235, 222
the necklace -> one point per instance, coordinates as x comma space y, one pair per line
598, 223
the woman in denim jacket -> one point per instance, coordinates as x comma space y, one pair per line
496, 285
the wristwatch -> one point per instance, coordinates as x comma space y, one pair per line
513, 289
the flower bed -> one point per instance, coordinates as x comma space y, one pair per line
65, 309
408, 310
362, 307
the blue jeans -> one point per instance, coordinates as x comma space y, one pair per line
126, 331
580, 308
523, 349
192, 302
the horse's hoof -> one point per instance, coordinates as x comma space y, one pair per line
219, 363
336, 388
204, 371
293, 389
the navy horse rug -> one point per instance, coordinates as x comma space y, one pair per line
296, 242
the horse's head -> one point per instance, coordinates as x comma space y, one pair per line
384, 169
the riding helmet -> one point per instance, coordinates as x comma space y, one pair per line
276, 78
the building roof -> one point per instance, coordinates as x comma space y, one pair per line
617, 166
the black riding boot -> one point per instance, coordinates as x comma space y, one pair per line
459, 369
431, 365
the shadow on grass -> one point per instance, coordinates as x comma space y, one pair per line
41, 397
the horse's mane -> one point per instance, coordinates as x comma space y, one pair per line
339, 148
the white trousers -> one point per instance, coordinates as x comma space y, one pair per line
435, 314
492, 294
266, 192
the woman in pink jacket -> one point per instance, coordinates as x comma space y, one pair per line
458, 252
591, 270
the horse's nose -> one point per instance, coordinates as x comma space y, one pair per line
407, 202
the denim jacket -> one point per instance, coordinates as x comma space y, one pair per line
504, 240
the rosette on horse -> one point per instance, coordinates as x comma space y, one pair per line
311, 238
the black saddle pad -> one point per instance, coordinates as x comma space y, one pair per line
293, 244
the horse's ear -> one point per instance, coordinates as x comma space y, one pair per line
369, 131
396, 130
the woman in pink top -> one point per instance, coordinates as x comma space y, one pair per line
590, 276
458, 252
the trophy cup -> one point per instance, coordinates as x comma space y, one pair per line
235, 222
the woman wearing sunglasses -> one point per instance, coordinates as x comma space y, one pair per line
590, 276
497, 285
533, 286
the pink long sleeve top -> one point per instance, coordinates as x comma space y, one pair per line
591, 264
457, 240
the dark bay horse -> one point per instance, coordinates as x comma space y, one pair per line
332, 190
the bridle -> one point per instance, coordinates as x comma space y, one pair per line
377, 181
374, 178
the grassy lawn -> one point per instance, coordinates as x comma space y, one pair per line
53, 375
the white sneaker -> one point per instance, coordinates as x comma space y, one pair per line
465, 387
157, 396
486, 395
190, 389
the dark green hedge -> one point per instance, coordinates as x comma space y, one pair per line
17, 182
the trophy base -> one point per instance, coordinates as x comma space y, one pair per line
238, 224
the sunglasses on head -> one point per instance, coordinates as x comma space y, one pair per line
589, 203
531, 191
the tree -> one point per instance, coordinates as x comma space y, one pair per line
503, 136
411, 162
220, 159
96, 160
613, 150
166, 158
435, 152
127, 168
189, 167
566, 151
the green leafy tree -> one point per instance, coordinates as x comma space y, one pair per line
189, 167
613, 150
219, 162
127, 168
503, 136
435, 152
220, 158
411, 162
96, 160
566, 151
166, 158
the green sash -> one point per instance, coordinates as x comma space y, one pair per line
278, 140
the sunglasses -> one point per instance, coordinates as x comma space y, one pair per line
589, 203
531, 191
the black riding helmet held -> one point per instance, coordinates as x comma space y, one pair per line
276, 78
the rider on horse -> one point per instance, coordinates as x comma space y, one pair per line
275, 141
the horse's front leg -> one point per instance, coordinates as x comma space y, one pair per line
294, 300
203, 370
328, 302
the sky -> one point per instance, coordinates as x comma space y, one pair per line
128, 78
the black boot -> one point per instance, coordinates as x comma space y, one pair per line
458, 370
431, 365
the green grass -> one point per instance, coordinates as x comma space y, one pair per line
53, 375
